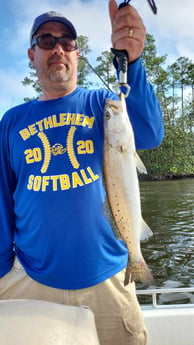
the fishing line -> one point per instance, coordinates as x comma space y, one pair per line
98, 75
150, 2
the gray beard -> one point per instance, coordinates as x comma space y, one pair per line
57, 76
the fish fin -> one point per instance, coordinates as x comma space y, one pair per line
138, 271
123, 148
139, 164
146, 232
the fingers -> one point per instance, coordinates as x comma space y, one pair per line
128, 30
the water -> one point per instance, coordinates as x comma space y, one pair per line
168, 208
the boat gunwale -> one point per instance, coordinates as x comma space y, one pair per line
155, 292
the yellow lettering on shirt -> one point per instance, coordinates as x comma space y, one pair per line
63, 182
25, 134
54, 121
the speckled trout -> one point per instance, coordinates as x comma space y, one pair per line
122, 186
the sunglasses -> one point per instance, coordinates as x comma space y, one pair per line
48, 42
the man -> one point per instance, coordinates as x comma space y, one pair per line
51, 189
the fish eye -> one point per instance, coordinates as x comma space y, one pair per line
107, 114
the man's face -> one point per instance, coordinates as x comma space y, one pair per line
56, 68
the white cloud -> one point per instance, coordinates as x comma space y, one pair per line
90, 19
172, 27
12, 90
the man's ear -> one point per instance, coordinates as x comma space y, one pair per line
78, 54
31, 55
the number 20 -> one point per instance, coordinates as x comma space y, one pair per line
85, 147
33, 155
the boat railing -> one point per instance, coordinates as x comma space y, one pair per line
154, 293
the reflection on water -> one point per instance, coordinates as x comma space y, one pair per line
168, 208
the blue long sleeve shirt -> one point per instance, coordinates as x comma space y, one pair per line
51, 188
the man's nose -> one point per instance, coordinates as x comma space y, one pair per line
58, 49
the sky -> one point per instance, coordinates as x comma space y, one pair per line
172, 28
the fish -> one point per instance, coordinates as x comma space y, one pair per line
121, 162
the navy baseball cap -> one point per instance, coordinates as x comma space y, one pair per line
50, 17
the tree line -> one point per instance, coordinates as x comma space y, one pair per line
174, 86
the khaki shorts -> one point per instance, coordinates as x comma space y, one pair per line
118, 316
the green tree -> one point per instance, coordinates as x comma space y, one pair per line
106, 70
157, 74
175, 156
153, 63
32, 80
83, 66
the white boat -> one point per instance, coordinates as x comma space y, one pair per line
35, 322
169, 324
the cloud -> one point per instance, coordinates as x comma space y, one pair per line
172, 27
12, 90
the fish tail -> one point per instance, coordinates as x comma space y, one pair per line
138, 271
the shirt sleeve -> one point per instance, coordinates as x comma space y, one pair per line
7, 181
143, 108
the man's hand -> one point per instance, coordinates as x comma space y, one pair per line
128, 30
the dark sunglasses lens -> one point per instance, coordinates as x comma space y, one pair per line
46, 42
68, 44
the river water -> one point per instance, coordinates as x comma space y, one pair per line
168, 208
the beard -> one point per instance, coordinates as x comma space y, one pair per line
59, 71
57, 78
58, 75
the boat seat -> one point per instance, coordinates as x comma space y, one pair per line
33, 322
168, 326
